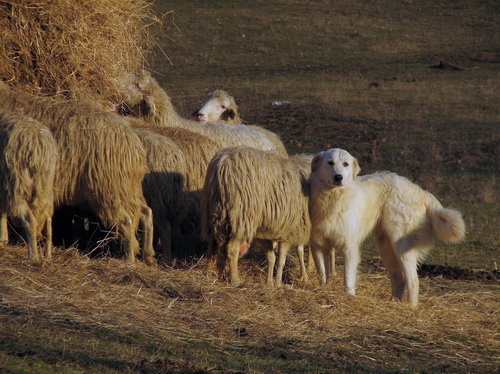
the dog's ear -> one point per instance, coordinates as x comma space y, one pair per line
355, 168
315, 161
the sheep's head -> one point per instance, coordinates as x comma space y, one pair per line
138, 95
219, 105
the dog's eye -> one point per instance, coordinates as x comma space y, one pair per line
346, 164
330, 162
223, 106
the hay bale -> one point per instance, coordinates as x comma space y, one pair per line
74, 49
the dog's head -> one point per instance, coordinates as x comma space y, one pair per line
334, 168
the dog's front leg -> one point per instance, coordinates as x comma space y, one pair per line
351, 261
319, 261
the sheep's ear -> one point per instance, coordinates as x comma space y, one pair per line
228, 114
195, 113
315, 161
355, 168
123, 109
148, 107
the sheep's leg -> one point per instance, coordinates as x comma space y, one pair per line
146, 219
331, 256
221, 253
30, 228
211, 254
4, 230
165, 232
283, 249
233, 254
351, 262
303, 272
47, 233
310, 260
129, 243
271, 260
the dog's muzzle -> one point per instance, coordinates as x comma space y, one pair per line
337, 179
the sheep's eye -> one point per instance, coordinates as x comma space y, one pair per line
330, 162
223, 106
346, 164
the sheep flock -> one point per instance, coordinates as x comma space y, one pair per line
158, 182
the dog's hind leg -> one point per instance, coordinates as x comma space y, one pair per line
408, 258
409, 264
392, 265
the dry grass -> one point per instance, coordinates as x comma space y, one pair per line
455, 326
73, 48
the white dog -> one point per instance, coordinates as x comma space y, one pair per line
403, 218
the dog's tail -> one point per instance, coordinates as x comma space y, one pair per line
448, 224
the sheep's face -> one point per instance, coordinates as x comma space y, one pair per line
217, 107
334, 168
137, 100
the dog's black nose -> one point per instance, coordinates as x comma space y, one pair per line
338, 178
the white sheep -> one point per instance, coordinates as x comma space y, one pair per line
252, 194
28, 161
144, 98
102, 164
218, 106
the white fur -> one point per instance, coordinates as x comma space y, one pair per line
403, 218
218, 105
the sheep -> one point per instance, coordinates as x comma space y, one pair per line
144, 98
198, 150
28, 162
4, 230
102, 164
219, 106
252, 194
163, 185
